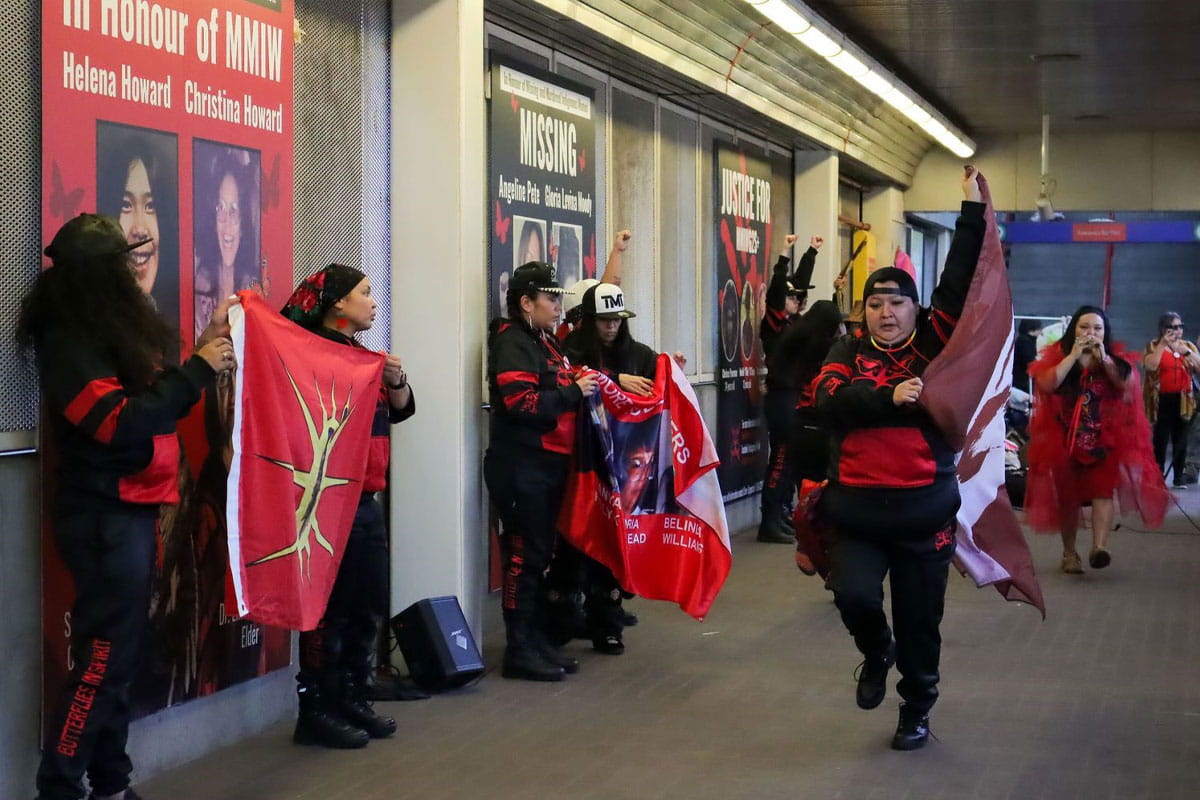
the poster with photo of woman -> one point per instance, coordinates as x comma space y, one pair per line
137, 183
226, 224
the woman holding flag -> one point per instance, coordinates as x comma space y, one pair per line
892, 493
335, 659
535, 396
112, 409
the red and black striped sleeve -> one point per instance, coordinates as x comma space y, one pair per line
83, 387
518, 367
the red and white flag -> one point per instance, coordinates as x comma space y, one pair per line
643, 497
303, 407
966, 390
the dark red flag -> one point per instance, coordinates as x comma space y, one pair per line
301, 431
966, 389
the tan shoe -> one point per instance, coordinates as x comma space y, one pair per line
1071, 564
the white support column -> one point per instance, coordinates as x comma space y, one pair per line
883, 209
816, 212
439, 228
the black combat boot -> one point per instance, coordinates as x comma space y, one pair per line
354, 707
774, 529
912, 732
523, 659
319, 723
872, 677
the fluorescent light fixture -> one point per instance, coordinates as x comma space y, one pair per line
875, 83
848, 63
796, 18
917, 114
785, 16
898, 100
819, 43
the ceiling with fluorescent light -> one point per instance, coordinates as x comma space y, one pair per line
1138, 65
683, 49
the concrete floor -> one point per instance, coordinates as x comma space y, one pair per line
1101, 700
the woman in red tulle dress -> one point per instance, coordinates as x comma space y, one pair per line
1089, 440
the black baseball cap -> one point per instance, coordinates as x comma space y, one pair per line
87, 236
534, 275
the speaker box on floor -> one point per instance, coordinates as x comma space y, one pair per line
437, 644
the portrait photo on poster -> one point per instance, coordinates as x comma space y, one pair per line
530, 240
566, 245
226, 224
137, 183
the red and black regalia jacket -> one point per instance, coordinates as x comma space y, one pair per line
776, 320
891, 472
116, 444
375, 477
533, 394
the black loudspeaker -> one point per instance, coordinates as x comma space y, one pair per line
437, 644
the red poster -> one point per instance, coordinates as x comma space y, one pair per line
175, 118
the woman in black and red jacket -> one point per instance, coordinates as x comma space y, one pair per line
111, 413
534, 397
335, 659
893, 493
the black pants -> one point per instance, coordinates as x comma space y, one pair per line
344, 641
1169, 425
918, 569
111, 557
527, 490
809, 451
778, 482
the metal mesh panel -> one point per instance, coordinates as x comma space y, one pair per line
20, 192
341, 145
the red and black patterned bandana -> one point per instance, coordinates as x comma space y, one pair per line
317, 293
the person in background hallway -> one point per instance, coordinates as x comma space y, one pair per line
1172, 364
893, 492
535, 396
786, 299
335, 659
112, 411
1025, 353
1088, 440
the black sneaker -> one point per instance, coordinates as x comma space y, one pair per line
872, 677
529, 665
610, 645
912, 732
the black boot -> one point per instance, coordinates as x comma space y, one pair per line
774, 530
320, 724
522, 659
913, 730
356, 709
872, 677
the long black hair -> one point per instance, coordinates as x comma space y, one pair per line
586, 347
97, 301
1067, 343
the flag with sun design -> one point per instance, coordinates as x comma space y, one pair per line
301, 432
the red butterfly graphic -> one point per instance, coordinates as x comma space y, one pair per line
63, 204
502, 224
582, 160
270, 186
589, 260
